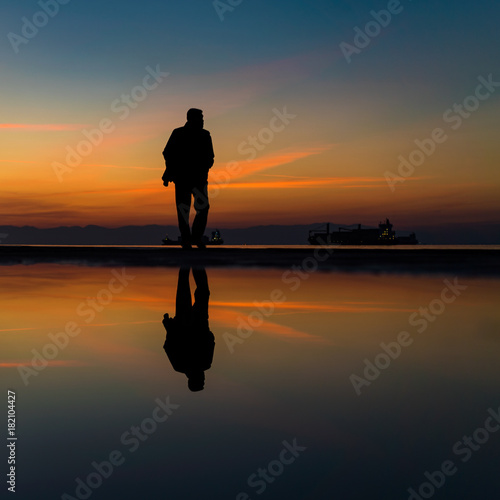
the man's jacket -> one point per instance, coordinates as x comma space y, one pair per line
189, 154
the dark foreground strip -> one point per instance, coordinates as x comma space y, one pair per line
481, 261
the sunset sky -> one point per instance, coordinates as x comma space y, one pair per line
329, 118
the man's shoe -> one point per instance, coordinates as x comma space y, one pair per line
187, 247
201, 245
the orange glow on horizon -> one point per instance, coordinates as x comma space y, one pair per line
288, 183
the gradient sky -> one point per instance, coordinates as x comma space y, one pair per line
352, 120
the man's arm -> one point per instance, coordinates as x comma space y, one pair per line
210, 151
170, 155
170, 151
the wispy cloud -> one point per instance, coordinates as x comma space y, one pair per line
229, 317
53, 362
18, 161
16, 329
107, 165
306, 307
42, 127
282, 157
342, 182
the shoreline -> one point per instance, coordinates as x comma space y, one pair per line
481, 261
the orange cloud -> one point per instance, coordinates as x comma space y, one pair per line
230, 317
270, 161
106, 165
346, 307
287, 332
344, 182
16, 329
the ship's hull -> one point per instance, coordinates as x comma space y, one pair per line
358, 239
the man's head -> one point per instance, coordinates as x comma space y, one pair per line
196, 380
195, 117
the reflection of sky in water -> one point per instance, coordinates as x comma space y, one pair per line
287, 380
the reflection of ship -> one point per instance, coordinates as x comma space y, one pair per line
384, 235
216, 239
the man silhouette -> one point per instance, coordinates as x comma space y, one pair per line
189, 155
189, 343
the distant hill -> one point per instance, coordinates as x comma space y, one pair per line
486, 234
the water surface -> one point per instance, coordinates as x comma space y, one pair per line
290, 355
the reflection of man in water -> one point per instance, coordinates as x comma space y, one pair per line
189, 155
190, 343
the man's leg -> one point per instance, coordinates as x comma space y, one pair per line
183, 304
183, 202
201, 206
201, 297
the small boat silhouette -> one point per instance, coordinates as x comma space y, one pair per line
216, 239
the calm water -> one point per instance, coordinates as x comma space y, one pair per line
302, 400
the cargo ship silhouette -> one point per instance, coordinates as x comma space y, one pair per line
384, 235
